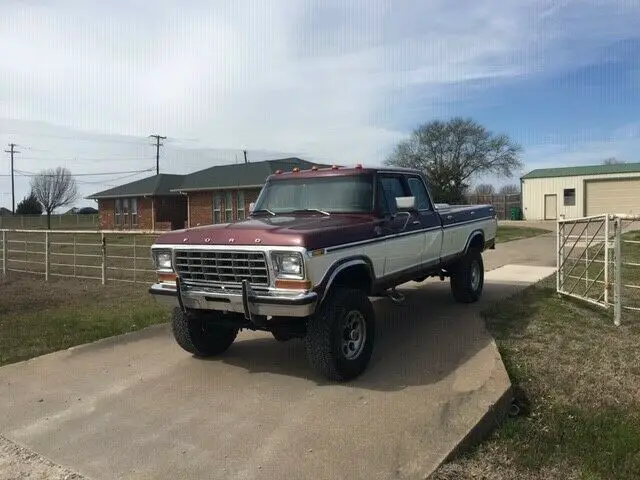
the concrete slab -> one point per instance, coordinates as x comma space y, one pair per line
139, 407
519, 274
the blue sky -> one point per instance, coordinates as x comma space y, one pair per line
84, 83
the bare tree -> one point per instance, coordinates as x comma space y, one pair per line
485, 189
512, 189
453, 153
612, 161
54, 189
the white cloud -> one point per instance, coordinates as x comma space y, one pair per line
324, 78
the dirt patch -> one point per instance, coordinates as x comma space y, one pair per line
18, 462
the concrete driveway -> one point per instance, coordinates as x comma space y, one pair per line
139, 407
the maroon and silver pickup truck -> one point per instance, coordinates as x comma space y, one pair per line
318, 244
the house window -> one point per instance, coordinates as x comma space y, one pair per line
228, 207
569, 197
134, 211
118, 212
241, 214
126, 212
217, 208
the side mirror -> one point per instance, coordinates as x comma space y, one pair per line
406, 204
252, 205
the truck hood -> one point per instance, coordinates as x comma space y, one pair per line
309, 231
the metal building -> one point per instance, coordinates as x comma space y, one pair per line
571, 192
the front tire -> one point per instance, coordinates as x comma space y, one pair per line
200, 335
467, 277
340, 335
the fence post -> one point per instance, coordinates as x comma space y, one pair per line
617, 282
606, 260
46, 255
5, 255
134, 259
559, 228
104, 258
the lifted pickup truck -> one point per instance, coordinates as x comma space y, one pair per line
316, 247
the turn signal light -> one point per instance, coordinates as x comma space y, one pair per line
167, 277
296, 169
278, 172
334, 167
293, 284
359, 166
314, 168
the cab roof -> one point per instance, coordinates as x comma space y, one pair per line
336, 171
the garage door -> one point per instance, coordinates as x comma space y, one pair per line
613, 196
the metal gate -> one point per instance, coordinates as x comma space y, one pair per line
591, 265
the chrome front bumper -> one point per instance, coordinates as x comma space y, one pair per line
245, 300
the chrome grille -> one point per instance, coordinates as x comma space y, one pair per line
223, 267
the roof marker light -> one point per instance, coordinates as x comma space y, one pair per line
314, 168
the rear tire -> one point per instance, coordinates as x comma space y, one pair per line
198, 333
467, 277
341, 334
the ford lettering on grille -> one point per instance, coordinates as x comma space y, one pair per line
221, 267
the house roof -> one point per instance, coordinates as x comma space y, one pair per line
5, 211
162, 184
583, 171
251, 174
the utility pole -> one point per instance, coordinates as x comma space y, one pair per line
158, 144
245, 156
13, 188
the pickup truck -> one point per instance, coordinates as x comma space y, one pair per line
317, 246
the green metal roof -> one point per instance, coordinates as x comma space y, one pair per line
583, 171
250, 174
162, 184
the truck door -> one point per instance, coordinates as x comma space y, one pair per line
405, 241
429, 220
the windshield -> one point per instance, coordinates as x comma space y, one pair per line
341, 194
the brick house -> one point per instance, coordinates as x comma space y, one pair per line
223, 193
218, 194
146, 204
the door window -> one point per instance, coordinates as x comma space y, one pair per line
389, 188
419, 191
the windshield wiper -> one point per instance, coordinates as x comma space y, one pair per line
310, 210
263, 210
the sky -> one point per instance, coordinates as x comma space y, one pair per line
84, 83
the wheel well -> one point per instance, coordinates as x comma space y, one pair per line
356, 276
477, 242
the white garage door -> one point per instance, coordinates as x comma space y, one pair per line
613, 196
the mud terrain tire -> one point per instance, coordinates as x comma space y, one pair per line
341, 334
467, 277
198, 333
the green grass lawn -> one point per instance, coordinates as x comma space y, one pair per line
578, 377
507, 233
38, 317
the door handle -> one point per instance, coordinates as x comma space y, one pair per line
416, 222
449, 217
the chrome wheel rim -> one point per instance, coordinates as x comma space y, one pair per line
475, 275
354, 335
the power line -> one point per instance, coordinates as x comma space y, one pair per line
158, 138
13, 188
25, 173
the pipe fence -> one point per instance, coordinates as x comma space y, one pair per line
598, 259
119, 256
